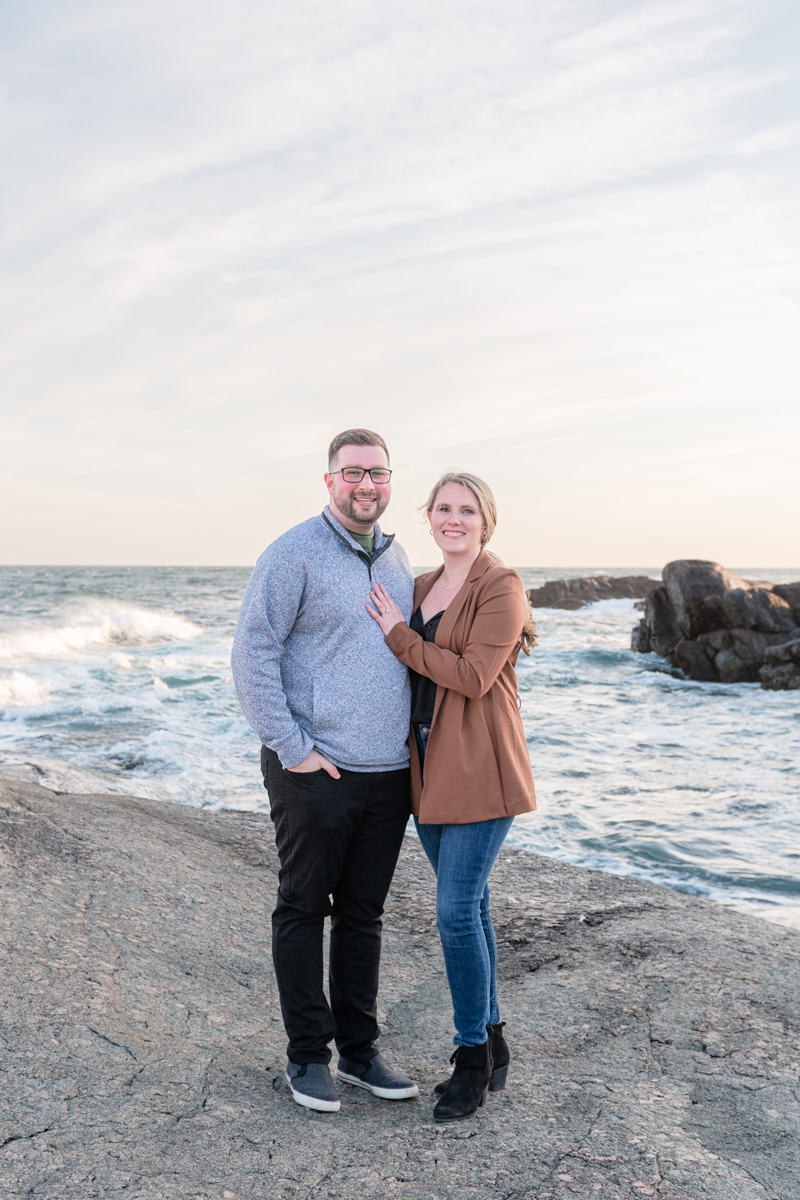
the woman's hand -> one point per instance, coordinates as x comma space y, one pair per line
388, 614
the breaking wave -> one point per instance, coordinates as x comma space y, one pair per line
98, 623
19, 690
638, 771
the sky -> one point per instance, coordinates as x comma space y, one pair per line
554, 243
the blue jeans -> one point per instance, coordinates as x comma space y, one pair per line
462, 857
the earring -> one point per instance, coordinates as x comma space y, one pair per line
430, 531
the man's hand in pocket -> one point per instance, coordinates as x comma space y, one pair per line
315, 762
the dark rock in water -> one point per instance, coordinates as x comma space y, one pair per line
696, 590
659, 629
717, 627
577, 593
748, 644
696, 660
781, 670
756, 608
739, 609
737, 653
790, 592
773, 613
731, 669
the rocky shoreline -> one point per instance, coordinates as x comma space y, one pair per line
717, 627
706, 621
572, 594
656, 1037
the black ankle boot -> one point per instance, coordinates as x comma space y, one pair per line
501, 1057
467, 1086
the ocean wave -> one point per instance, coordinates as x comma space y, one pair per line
99, 623
639, 771
19, 690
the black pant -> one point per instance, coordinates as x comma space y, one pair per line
337, 839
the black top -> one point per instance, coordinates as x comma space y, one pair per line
423, 690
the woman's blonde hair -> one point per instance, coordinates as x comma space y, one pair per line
488, 510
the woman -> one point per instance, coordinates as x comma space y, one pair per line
470, 770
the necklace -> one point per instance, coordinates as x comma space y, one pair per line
449, 589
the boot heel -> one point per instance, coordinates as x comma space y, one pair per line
498, 1081
482, 1100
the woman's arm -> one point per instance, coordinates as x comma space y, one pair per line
495, 631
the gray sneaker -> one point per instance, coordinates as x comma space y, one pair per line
311, 1085
377, 1077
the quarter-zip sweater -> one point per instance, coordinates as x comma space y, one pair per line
311, 667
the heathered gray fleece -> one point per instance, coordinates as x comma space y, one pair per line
310, 665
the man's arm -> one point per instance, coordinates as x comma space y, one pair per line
268, 613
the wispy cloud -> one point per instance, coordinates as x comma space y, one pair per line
554, 243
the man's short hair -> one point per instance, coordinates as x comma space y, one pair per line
355, 437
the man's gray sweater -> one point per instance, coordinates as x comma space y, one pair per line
310, 665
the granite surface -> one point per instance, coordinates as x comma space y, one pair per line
656, 1037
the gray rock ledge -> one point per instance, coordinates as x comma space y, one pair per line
655, 1036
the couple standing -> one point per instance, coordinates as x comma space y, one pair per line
337, 650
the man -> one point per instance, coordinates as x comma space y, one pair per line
331, 705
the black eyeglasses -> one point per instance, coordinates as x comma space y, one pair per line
356, 474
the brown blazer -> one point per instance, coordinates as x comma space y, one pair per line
476, 765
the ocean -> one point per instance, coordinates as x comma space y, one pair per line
695, 786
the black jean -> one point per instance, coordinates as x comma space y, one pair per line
338, 842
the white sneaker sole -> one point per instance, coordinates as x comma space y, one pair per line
383, 1093
312, 1101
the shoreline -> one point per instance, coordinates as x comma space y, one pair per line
655, 1035
113, 681
62, 776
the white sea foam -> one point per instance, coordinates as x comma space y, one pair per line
19, 690
688, 784
97, 623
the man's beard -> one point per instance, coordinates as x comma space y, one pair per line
358, 516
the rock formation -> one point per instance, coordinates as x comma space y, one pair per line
577, 593
717, 627
655, 1035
